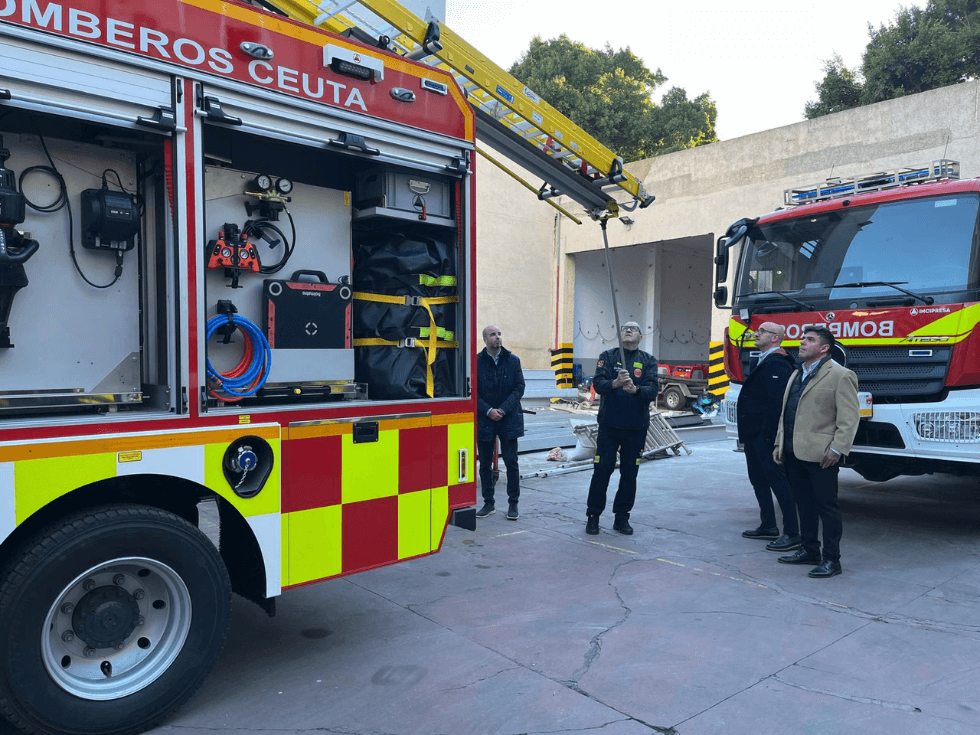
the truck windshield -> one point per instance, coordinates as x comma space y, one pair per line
927, 246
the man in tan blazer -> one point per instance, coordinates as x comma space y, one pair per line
816, 428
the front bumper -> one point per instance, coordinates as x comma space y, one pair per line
949, 430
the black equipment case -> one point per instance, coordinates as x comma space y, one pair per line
306, 315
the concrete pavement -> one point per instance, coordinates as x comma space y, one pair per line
533, 627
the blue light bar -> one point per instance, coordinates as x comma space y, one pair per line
875, 181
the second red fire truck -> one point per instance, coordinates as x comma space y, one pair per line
889, 262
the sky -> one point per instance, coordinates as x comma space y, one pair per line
757, 59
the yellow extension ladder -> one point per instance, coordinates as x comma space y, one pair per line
510, 118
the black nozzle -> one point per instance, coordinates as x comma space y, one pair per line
13, 206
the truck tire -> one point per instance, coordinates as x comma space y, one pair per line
673, 399
111, 619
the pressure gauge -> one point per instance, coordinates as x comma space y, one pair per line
284, 186
263, 182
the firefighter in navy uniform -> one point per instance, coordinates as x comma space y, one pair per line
624, 415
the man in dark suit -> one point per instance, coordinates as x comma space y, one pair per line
817, 427
499, 388
760, 403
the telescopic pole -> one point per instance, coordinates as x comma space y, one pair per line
612, 293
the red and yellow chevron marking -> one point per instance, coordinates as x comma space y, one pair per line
330, 507
34, 474
46, 470
349, 507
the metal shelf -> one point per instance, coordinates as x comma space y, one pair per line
401, 214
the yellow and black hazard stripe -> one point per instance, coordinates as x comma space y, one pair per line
717, 378
562, 364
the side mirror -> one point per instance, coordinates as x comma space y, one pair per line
721, 297
721, 261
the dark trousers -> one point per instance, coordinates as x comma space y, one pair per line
508, 452
629, 443
768, 479
815, 490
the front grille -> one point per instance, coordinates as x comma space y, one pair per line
897, 388
888, 372
731, 411
892, 372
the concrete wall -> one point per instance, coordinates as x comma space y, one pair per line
635, 273
658, 285
526, 267
702, 191
683, 316
516, 260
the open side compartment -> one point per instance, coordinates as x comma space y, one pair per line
406, 310
355, 292
88, 293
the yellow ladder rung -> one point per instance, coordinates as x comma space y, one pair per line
487, 86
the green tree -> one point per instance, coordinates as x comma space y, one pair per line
610, 95
840, 89
922, 49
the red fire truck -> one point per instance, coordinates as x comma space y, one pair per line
237, 294
889, 261
237, 322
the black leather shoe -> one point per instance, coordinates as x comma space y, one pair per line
761, 533
825, 569
784, 543
800, 557
592, 525
622, 524
486, 510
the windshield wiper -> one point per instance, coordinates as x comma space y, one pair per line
893, 284
808, 307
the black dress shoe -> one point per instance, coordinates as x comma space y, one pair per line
761, 533
592, 525
622, 525
825, 569
800, 557
784, 543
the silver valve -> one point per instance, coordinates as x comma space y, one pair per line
246, 459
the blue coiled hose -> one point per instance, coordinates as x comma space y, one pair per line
256, 373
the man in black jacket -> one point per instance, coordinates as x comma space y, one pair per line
760, 401
624, 415
499, 387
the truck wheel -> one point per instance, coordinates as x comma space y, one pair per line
673, 399
110, 620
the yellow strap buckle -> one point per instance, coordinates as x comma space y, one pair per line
431, 343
